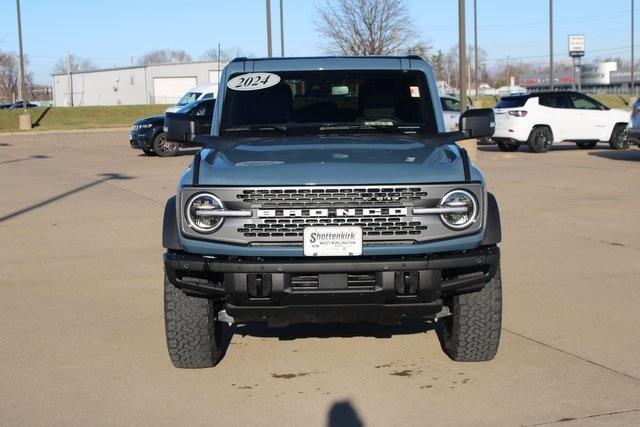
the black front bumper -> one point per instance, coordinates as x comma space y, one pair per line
287, 291
141, 140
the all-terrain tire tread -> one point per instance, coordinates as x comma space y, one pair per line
191, 329
472, 333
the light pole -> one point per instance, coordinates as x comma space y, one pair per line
281, 30
475, 42
25, 118
462, 52
551, 44
633, 80
269, 51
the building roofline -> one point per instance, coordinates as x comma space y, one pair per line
130, 67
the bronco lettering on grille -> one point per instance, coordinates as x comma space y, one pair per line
336, 212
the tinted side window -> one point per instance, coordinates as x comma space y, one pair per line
512, 101
207, 95
555, 101
583, 103
450, 104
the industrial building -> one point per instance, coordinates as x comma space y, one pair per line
150, 84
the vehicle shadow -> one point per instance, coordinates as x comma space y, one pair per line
181, 153
631, 155
333, 330
564, 146
39, 119
111, 176
343, 414
4, 144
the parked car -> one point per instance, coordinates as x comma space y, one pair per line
147, 135
330, 191
540, 119
195, 94
450, 112
184, 125
5, 106
633, 130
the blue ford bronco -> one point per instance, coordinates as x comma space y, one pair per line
330, 191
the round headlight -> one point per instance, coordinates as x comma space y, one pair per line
464, 209
196, 213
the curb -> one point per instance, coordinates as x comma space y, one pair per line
47, 132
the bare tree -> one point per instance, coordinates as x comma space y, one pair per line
77, 64
162, 56
226, 54
9, 73
369, 27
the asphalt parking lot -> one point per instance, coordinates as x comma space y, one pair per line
81, 323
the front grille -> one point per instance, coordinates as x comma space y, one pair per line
332, 197
279, 214
371, 226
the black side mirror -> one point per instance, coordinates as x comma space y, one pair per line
477, 123
205, 140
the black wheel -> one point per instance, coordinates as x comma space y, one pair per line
508, 146
540, 139
148, 151
619, 140
163, 147
193, 334
472, 332
586, 145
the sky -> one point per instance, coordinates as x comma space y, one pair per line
111, 32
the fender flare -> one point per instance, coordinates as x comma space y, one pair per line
170, 233
493, 231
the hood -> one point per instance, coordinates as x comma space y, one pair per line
330, 160
152, 119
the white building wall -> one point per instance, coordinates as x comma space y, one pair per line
129, 85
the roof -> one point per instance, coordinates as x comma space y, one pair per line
285, 58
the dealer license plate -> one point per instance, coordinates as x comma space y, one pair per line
332, 241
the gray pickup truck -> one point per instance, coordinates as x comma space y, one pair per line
330, 191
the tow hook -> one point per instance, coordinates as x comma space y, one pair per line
443, 313
224, 317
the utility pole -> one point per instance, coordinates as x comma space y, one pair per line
281, 30
462, 56
551, 44
218, 63
269, 51
633, 80
475, 47
25, 117
69, 79
22, 93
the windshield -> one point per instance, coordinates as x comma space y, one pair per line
188, 97
314, 102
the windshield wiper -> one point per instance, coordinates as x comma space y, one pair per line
253, 128
386, 128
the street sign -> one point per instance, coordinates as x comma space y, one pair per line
576, 46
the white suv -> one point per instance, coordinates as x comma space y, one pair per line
540, 119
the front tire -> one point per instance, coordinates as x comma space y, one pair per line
508, 146
193, 334
163, 147
586, 145
472, 332
540, 139
618, 140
